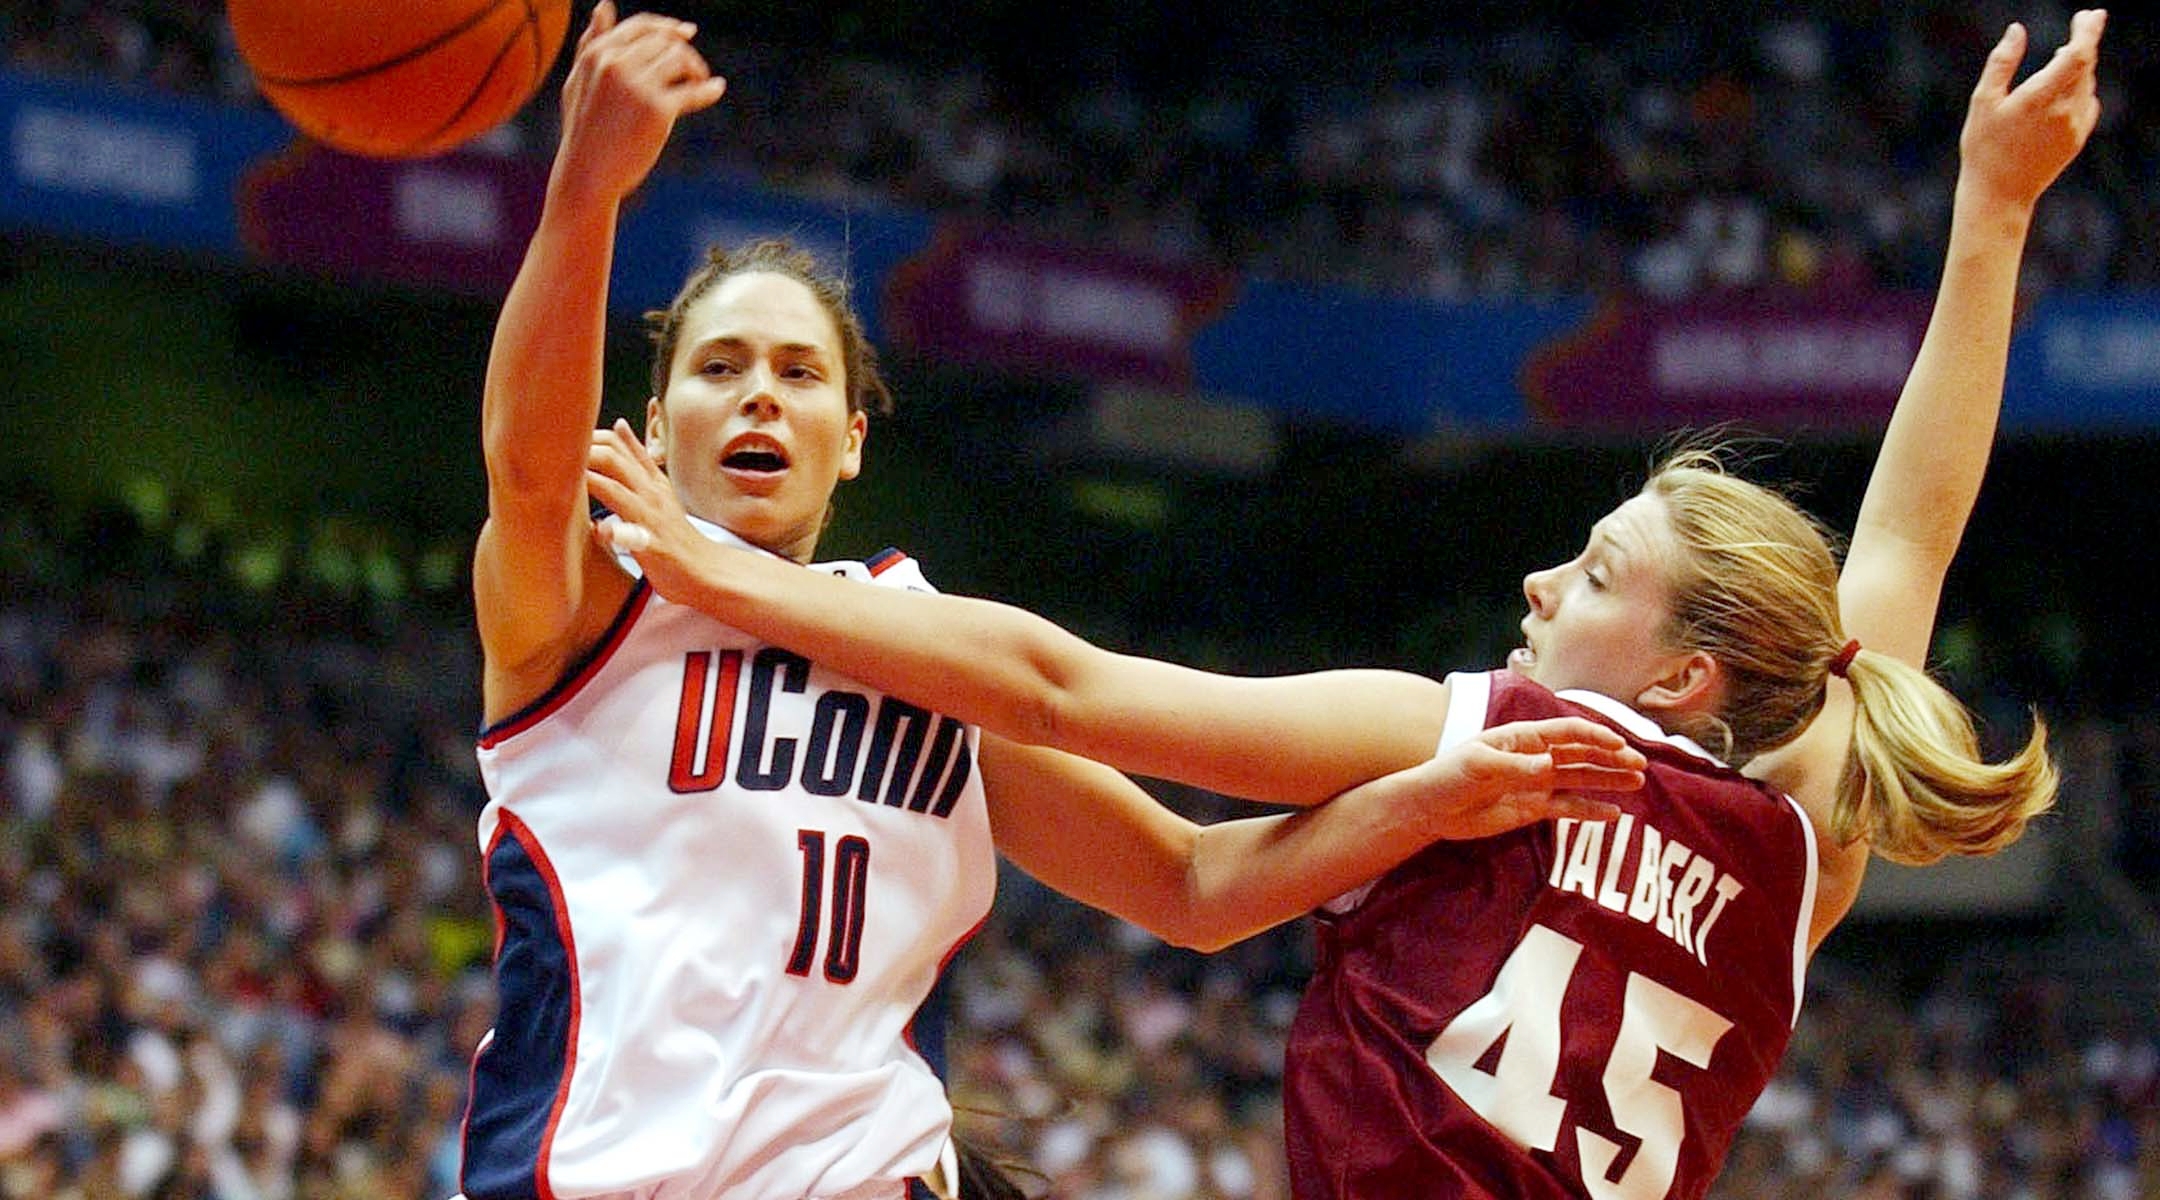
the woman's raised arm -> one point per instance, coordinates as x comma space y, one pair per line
630, 82
1927, 475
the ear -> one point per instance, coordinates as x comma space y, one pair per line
1691, 683
858, 431
656, 430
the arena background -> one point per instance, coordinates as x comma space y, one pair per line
1400, 262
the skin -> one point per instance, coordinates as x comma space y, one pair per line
759, 368
1587, 615
1593, 622
753, 432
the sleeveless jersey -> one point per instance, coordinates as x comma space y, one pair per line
725, 879
1575, 1009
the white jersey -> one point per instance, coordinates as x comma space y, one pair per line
725, 879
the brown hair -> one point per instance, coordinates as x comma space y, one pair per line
1755, 586
866, 388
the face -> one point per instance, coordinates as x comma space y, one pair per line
1595, 621
755, 429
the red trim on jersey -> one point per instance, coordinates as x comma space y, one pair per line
524, 835
883, 561
576, 679
907, 1033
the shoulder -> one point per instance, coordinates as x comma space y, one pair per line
1479, 700
890, 567
524, 660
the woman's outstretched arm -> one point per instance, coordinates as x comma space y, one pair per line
1289, 739
1093, 834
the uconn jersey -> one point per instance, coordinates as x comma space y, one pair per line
1572, 1010
724, 880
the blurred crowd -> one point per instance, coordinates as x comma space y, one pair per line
244, 947
1803, 147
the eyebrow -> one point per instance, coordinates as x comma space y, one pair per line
1613, 547
733, 342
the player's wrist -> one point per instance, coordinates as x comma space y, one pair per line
576, 193
1983, 208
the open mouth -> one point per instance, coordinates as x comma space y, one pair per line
754, 460
755, 455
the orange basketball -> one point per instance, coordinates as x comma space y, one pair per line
398, 78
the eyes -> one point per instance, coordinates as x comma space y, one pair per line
728, 368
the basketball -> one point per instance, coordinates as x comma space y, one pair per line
398, 78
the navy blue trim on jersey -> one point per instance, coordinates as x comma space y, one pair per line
571, 678
520, 1076
877, 563
926, 1029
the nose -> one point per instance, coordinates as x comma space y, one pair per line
760, 398
1537, 589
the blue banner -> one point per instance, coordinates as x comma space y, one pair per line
145, 169
2086, 363
137, 168
1404, 366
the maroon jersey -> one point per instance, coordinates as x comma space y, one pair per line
1576, 1009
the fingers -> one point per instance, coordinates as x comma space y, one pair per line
1622, 758
678, 62
638, 44
683, 75
1552, 731
2083, 48
2002, 64
616, 447
631, 47
626, 537
657, 54
603, 19
703, 95
1597, 778
609, 491
638, 449
630, 537
2073, 67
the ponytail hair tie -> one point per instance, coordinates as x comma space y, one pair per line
1844, 658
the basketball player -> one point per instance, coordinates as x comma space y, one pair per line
1583, 1008
726, 876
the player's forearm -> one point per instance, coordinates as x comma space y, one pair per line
1935, 451
985, 663
1250, 875
544, 368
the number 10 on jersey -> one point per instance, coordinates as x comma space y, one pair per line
850, 883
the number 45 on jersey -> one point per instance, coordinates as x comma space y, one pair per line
1516, 1096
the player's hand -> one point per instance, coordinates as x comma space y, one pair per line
2017, 140
629, 83
1524, 772
647, 520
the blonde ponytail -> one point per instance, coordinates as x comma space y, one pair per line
1915, 785
1755, 586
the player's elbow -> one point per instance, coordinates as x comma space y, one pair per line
513, 478
1185, 926
1208, 911
1056, 704
1205, 939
